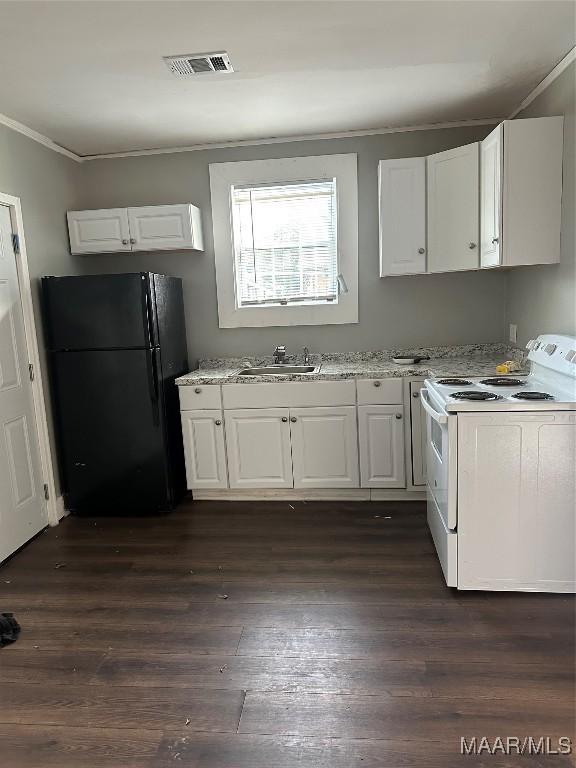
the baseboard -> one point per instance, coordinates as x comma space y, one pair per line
307, 494
61, 510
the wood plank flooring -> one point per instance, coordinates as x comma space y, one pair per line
271, 635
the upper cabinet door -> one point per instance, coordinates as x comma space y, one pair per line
402, 202
532, 191
324, 447
165, 227
491, 153
102, 231
453, 210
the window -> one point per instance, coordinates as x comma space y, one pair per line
285, 240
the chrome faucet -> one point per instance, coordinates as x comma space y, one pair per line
306, 356
280, 354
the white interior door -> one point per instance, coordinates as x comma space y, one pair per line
160, 227
22, 506
324, 447
402, 200
258, 447
491, 198
204, 449
382, 457
100, 231
453, 209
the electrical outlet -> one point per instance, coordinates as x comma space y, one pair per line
513, 333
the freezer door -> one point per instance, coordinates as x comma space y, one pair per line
110, 431
98, 311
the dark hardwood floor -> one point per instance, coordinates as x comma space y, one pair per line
270, 635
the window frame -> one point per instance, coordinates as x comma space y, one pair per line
223, 176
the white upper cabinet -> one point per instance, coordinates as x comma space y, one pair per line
102, 231
453, 209
402, 205
145, 228
521, 197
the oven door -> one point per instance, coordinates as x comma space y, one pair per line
441, 436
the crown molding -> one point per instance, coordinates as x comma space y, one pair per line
30, 133
548, 80
289, 139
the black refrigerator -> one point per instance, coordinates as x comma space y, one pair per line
116, 344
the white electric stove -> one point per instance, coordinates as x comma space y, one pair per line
501, 467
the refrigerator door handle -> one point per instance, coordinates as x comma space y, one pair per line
152, 381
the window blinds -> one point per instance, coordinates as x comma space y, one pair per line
285, 243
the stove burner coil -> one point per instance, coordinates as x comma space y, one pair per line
455, 382
502, 381
474, 395
532, 396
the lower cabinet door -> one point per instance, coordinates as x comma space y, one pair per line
381, 438
258, 446
204, 450
324, 447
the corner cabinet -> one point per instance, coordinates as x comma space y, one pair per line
402, 213
521, 193
143, 228
453, 210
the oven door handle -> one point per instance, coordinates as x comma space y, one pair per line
440, 418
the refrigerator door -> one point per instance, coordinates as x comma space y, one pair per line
170, 334
111, 431
98, 312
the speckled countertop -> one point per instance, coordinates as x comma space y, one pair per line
465, 360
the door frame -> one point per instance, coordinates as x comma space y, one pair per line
53, 506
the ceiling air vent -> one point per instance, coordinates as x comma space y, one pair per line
198, 64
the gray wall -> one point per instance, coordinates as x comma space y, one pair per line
47, 184
542, 299
427, 309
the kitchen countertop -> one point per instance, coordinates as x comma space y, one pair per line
469, 360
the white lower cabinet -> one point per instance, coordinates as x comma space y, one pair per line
204, 449
324, 447
258, 448
381, 438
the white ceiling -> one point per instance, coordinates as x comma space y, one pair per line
89, 75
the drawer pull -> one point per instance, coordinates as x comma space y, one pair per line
198, 390
377, 383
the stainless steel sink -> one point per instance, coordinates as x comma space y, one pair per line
277, 370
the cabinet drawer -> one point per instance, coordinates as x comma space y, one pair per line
379, 391
297, 394
194, 397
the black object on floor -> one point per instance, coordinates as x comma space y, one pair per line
9, 629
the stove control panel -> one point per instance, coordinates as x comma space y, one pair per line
555, 352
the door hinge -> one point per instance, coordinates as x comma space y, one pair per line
16, 243
31, 371
46, 492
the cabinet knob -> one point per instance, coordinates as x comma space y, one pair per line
398, 415
293, 419
133, 240
377, 383
124, 242
495, 240
218, 422
421, 250
471, 246
284, 419
198, 390
416, 394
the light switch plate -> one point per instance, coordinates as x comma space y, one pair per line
513, 333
